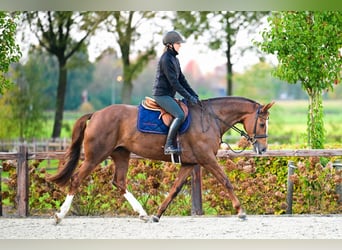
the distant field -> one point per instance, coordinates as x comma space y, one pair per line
290, 118
287, 121
296, 111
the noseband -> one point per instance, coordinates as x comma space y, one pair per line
252, 139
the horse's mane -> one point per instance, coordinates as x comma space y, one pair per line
231, 98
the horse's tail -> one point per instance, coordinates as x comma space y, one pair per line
73, 153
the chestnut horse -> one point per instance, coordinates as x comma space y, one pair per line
112, 132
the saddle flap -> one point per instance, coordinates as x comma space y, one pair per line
149, 121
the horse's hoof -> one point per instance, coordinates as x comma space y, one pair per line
144, 218
57, 219
154, 219
242, 216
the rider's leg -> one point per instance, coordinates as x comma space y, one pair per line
171, 106
169, 147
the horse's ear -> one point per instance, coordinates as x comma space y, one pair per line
266, 107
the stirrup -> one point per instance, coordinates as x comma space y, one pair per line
171, 150
177, 160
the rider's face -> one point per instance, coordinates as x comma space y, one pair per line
177, 46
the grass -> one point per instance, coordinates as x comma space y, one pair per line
289, 118
288, 122
295, 112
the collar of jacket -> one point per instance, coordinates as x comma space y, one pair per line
172, 51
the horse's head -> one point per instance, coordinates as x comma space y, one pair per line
256, 126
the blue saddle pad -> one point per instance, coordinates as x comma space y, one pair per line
149, 122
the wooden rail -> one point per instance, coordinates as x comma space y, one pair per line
23, 156
221, 154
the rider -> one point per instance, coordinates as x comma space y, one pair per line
169, 80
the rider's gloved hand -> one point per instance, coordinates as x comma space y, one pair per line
194, 100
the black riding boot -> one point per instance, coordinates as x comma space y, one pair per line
169, 147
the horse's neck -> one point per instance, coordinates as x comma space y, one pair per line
232, 111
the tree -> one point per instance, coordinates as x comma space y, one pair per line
125, 26
256, 82
9, 50
21, 109
62, 33
80, 74
308, 46
220, 29
104, 89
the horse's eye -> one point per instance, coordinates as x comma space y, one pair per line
262, 125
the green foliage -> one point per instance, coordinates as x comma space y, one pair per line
21, 114
9, 50
315, 122
80, 78
22, 105
257, 83
307, 45
314, 187
41, 73
259, 183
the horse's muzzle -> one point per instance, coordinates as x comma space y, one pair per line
259, 148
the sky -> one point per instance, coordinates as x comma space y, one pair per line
206, 59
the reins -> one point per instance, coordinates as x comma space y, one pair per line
251, 139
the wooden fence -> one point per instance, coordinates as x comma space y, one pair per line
24, 155
36, 145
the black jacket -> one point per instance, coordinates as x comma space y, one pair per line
169, 77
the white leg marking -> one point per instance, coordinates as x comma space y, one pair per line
65, 207
135, 203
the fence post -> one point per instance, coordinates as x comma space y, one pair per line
338, 166
196, 191
290, 171
22, 181
0, 190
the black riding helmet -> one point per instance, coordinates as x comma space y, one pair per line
172, 37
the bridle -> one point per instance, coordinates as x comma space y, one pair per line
252, 139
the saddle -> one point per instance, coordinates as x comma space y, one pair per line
150, 104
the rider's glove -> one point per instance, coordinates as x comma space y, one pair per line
193, 100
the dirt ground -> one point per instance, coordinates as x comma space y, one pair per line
188, 227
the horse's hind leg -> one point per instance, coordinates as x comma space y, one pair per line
183, 174
121, 158
84, 170
64, 209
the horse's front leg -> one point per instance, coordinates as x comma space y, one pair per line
183, 174
214, 168
137, 207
